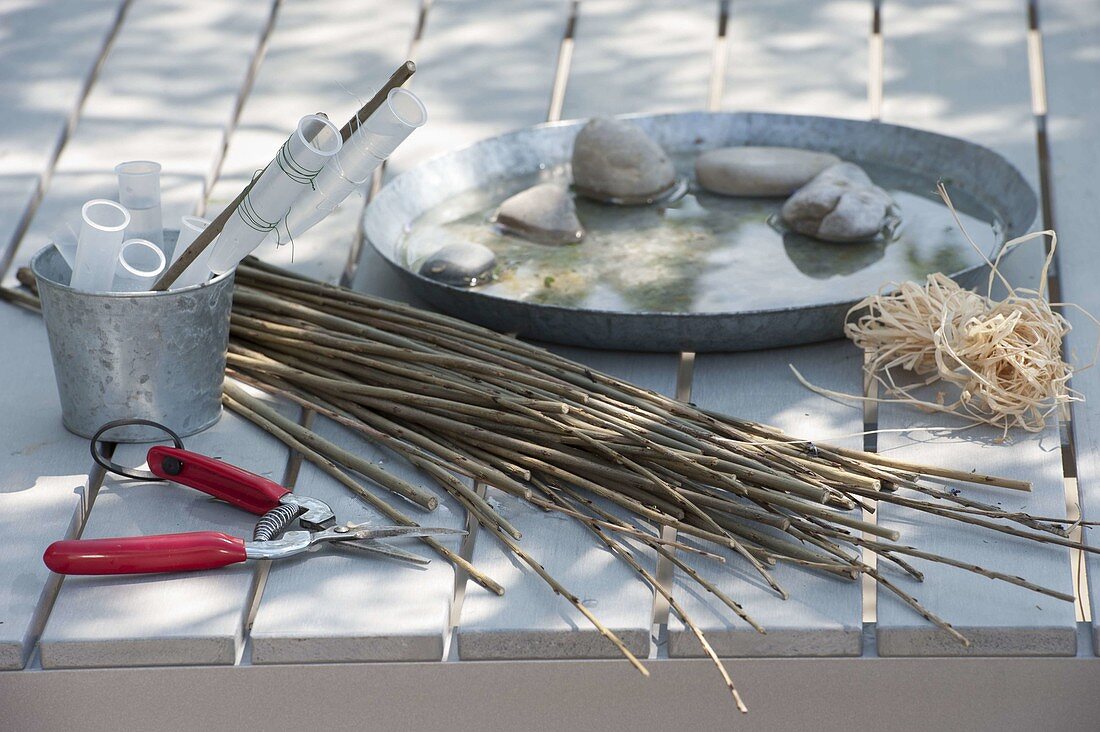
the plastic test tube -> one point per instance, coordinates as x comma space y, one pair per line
370, 144
140, 262
198, 271
291, 172
139, 191
102, 224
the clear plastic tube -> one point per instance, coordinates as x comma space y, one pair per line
140, 262
373, 142
139, 192
198, 271
293, 170
102, 224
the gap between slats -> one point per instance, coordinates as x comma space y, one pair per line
868, 588
719, 59
666, 570
263, 567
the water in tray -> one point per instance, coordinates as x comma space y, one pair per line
733, 258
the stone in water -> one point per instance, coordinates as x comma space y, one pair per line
759, 171
841, 204
544, 214
615, 162
461, 265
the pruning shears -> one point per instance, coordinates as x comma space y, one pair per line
277, 507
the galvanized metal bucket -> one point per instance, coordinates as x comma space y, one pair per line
150, 355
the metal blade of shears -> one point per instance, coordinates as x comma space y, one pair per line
356, 532
383, 549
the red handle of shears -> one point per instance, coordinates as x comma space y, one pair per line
246, 490
145, 554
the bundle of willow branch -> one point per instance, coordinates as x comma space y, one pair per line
455, 399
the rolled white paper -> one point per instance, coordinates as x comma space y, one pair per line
293, 170
374, 141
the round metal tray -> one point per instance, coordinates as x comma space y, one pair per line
981, 173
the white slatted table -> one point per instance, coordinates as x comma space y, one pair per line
210, 89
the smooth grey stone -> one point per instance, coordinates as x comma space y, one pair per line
465, 264
846, 172
615, 162
544, 214
841, 204
759, 171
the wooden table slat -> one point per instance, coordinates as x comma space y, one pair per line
529, 621
48, 54
340, 605
1071, 35
132, 113
483, 68
824, 615
938, 76
334, 606
790, 57
43, 479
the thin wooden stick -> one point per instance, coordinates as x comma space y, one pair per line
883, 548
20, 298
403, 73
629, 531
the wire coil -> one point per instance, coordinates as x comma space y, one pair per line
293, 169
272, 523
